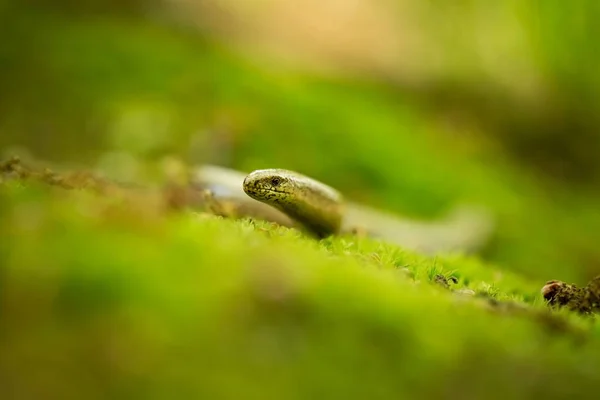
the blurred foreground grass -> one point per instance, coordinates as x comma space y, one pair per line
107, 297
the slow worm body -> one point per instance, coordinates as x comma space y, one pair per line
296, 200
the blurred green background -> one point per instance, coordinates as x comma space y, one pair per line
408, 106
404, 105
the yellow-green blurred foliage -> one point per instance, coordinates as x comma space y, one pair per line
100, 299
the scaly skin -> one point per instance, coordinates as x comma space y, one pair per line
318, 207
302, 202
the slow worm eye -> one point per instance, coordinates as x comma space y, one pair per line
275, 181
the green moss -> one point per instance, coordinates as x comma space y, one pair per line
115, 299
